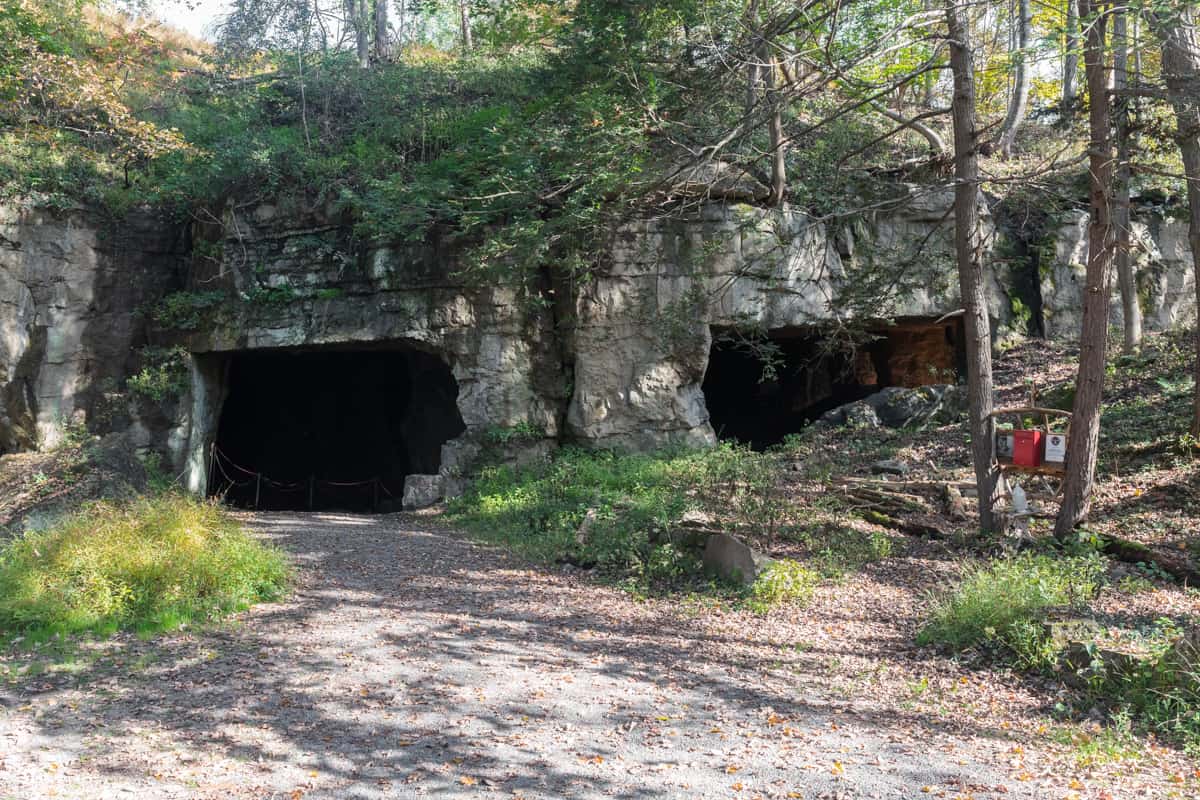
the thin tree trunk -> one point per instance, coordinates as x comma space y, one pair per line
752, 66
1181, 71
383, 41
1018, 101
464, 26
1089, 384
775, 131
401, 22
1130, 308
1070, 57
929, 79
362, 24
968, 253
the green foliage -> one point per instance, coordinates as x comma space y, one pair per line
69, 82
164, 373
1002, 604
614, 512
782, 581
1160, 689
270, 296
1112, 743
185, 311
504, 435
153, 563
538, 510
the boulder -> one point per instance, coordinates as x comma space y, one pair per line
890, 466
422, 491
731, 559
900, 407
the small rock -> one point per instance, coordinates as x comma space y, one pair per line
890, 466
731, 559
422, 491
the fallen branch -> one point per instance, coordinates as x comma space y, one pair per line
1137, 553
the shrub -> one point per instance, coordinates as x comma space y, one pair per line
149, 564
629, 502
838, 549
1004, 602
164, 373
782, 581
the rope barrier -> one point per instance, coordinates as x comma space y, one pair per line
220, 459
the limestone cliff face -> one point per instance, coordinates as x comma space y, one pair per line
644, 328
620, 363
1163, 259
70, 291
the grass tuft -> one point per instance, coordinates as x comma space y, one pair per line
1003, 603
149, 564
782, 581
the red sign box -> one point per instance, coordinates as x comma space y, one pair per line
1027, 448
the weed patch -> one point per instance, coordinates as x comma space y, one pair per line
1002, 604
617, 513
783, 581
150, 564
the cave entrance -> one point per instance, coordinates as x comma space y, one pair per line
810, 377
331, 428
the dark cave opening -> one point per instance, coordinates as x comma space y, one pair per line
331, 428
811, 377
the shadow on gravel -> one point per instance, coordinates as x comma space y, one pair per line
411, 661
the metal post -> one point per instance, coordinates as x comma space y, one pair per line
257, 488
212, 466
312, 482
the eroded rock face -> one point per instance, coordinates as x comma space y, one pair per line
620, 363
1163, 262
642, 345
70, 289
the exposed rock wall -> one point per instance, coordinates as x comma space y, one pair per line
301, 281
643, 335
1162, 259
622, 363
70, 289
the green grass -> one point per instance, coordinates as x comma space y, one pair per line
783, 581
538, 511
631, 503
1003, 603
149, 564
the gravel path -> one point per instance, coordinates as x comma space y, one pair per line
411, 663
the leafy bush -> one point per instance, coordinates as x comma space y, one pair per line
1003, 603
149, 564
164, 373
783, 581
1161, 690
613, 512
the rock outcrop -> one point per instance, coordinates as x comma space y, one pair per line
71, 288
618, 361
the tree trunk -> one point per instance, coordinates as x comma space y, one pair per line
775, 130
362, 26
1126, 278
383, 40
464, 25
1018, 102
1181, 71
1070, 57
968, 253
1089, 385
929, 79
752, 67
